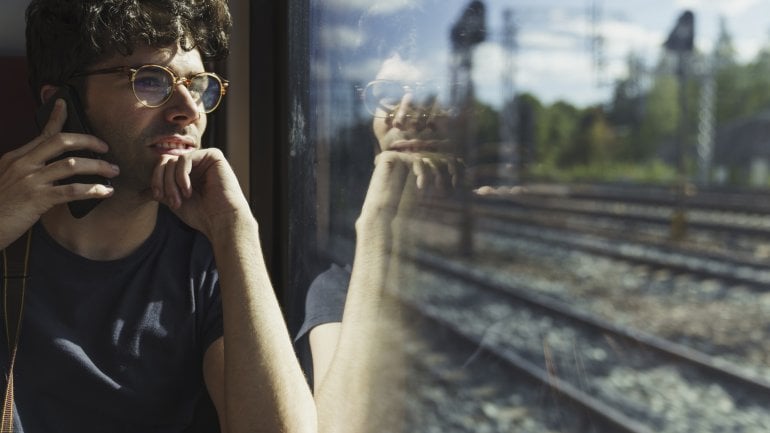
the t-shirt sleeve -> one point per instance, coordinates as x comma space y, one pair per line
212, 323
324, 303
325, 299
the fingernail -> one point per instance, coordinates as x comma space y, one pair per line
115, 168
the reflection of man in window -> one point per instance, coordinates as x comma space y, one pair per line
350, 322
408, 116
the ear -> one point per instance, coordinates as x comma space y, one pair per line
47, 91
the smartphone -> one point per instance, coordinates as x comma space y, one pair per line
77, 123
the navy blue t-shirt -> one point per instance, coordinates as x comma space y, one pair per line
324, 303
116, 346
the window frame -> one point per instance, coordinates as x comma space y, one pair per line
282, 152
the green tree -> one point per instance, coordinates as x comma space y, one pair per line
529, 113
661, 112
559, 130
757, 94
486, 122
627, 107
730, 78
593, 141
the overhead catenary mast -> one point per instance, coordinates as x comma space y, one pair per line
596, 41
508, 114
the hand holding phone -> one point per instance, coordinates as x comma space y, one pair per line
75, 123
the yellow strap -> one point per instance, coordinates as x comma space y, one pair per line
6, 423
14, 269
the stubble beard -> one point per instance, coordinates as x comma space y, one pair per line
131, 155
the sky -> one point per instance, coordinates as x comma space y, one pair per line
555, 54
556, 60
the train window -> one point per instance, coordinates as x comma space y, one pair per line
560, 209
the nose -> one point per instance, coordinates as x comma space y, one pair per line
407, 116
182, 108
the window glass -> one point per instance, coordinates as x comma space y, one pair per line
579, 241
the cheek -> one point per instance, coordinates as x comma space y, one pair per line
380, 127
105, 114
113, 126
201, 123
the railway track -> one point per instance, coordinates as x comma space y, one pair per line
747, 201
750, 225
731, 268
630, 282
594, 415
524, 295
449, 394
619, 377
720, 220
569, 369
582, 373
731, 248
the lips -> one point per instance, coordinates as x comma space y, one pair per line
173, 145
419, 145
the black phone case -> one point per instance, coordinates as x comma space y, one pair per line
76, 123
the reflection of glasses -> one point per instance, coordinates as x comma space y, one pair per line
153, 85
382, 98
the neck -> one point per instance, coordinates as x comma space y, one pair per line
108, 232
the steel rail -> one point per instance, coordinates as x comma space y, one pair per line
674, 351
721, 199
659, 263
613, 419
532, 204
752, 265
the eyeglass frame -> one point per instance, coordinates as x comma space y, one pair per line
176, 80
390, 113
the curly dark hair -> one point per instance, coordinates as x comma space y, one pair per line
67, 36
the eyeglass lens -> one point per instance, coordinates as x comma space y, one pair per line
386, 96
153, 85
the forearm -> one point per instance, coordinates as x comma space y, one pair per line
265, 389
361, 389
356, 394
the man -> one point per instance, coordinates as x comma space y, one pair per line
351, 323
124, 327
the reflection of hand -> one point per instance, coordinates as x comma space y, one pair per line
399, 176
201, 188
28, 186
436, 170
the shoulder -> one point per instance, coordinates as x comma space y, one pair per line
325, 300
329, 288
